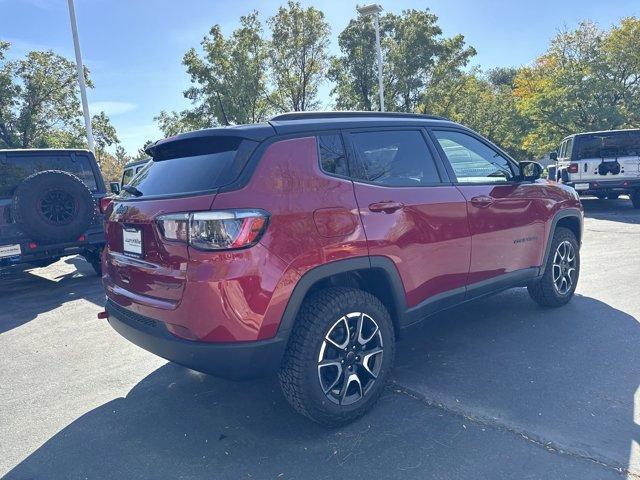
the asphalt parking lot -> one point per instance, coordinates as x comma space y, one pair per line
500, 388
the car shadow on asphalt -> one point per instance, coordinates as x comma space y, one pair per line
620, 210
24, 294
567, 376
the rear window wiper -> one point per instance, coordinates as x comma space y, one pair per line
132, 190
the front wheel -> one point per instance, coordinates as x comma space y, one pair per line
558, 283
339, 356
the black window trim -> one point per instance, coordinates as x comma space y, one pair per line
353, 162
487, 143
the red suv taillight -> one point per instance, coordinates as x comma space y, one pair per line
573, 168
215, 230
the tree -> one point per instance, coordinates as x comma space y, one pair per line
485, 103
416, 58
229, 80
298, 56
38, 99
104, 135
587, 80
355, 73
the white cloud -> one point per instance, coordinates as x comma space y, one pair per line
111, 107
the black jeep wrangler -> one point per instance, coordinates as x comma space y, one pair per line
50, 207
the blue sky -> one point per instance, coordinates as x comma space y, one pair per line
134, 47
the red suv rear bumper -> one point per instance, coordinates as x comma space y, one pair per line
235, 360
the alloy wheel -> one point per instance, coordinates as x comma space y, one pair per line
350, 358
564, 267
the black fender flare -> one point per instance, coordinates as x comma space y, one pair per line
564, 213
358, 264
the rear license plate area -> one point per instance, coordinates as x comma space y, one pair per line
132, 242
10, 251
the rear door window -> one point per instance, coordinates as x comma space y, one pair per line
14, 168
192, 168
394, 158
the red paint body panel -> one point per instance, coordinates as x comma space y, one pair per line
428, 239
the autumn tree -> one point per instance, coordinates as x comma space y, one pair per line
588, 79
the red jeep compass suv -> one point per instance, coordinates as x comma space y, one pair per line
305, 245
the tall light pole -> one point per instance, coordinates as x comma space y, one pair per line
374, 10
81, 83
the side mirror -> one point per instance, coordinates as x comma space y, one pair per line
553, 156
115, 187
530, 171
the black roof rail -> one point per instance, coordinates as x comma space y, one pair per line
352, 114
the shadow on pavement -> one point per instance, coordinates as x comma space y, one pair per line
620, 210
568, 375
24, 294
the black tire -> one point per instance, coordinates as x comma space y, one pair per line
53, 207
635, 198
299, 374
600, 196
544, 291
95, 260
612, 196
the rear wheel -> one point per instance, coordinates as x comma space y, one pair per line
635, 197
339, 356
556, 287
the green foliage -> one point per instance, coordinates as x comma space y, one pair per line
298, 56
229, 80
38, 99
354, 73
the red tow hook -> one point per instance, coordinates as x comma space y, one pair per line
103, 315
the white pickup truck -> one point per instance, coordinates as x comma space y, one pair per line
605, 164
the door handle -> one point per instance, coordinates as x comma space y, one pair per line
386, 207
481, 201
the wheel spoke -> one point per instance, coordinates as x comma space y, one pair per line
367, 356
329, 363
351, 379
345, 343
361, 339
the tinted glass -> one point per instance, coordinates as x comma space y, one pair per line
473, 161
624, 144
395, 158
127, 176
15, 168
189, 173
332, 158
569, 149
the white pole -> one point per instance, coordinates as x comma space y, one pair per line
81, 83
380, 84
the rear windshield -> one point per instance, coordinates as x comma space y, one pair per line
603, 145
191, 168
15, 168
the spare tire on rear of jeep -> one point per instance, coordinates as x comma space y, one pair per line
53, 207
